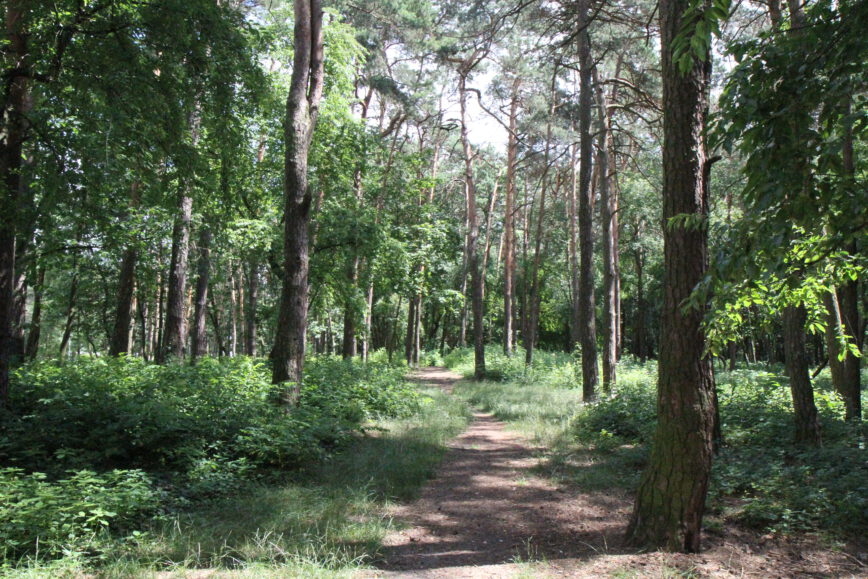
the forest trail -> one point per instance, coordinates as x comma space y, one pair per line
486, 514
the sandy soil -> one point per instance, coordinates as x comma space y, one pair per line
486, 515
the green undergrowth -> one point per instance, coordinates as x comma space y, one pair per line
118, 468
760, 479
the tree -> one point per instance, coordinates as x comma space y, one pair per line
587, 309
671, 498
302, 109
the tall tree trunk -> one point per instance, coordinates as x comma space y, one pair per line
534, 295
573, 253
410, 340
250, 334
71, 311
608, 217
143, 312
348, 346
476, 282
849, 385
199, 340
175, 331
16, 105
587, 322
671, 497
302, 109
120, 341
807, 421
32, 347
509, 220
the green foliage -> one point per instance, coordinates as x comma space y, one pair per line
326, 521
700, 21
77, 513
201, 431
627, 415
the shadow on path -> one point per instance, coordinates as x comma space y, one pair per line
485, 507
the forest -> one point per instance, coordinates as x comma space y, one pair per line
237, 236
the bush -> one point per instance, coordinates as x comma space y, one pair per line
201, 431
629, 414
75, 513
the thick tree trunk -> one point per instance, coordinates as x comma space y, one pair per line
302, 108
16, 105
120, 341
476, 281
671, 497
199, 339
174, 344
587, 322
807, 420
509, 221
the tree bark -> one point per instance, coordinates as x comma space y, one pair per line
16, 105
33, 337
302, 108
250, 334
199, 340
587, 322
609, 220
476, 287
807, 422
671, 497
175, 330
120, 342
509, 221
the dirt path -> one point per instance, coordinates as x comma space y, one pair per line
486, 514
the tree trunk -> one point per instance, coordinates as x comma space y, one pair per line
199, 341
120, 342
250, 334
573, 254
71, 311
35, 333
302, 107
175, 331
807, 421
509, 221
348, 347
16, 105
476, 287
587, 322
671, 497
410, 340
608, 217
534, 295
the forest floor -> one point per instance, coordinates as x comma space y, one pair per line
487, 513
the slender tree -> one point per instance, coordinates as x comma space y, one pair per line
587, 307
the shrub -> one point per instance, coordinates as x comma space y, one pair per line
78, 512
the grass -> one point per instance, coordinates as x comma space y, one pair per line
327, 522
